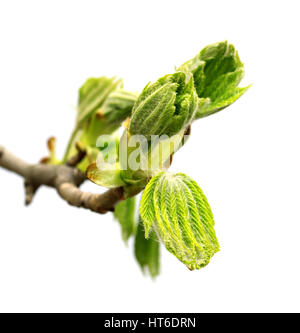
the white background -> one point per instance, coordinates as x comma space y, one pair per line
54, 257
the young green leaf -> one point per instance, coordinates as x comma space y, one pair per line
107, 119
118, 106
108, 177
147, 251
93, 94
177, 209
217, 71
164, 107
125, 214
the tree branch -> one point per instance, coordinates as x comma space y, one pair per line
65, 179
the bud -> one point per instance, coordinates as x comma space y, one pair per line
217, 72
164, 107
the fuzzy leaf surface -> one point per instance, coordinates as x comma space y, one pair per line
217, 72
164, 107
177, 209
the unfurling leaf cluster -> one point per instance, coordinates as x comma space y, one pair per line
173, 209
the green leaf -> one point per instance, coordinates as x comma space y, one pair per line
164, 107
177, 209
147, 209
93, 94
147, 251
108, 118
108, 177
217, 71
125, 214
118, 106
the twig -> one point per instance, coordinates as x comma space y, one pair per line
30, 191
64, 178
76, 159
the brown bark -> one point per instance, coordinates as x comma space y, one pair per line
66, 179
